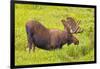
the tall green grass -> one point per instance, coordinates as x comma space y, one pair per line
50, 17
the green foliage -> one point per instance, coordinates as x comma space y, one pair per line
50, 17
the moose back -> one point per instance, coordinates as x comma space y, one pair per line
48, 39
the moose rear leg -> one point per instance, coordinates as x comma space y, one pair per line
29, 37
33, 47
29, 43
30, 46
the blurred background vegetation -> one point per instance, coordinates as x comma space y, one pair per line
50, 17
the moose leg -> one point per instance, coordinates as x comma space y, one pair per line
29, 43
30, 46
33, 47
48, 47
60, 47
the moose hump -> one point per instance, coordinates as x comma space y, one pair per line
37, 34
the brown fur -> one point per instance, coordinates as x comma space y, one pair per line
47, 39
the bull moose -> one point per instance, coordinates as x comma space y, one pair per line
48, 39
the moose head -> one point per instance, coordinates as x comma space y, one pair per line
68, 29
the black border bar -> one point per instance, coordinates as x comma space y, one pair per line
54, 4
12, 34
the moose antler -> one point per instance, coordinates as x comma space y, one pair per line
73, 25
66, 26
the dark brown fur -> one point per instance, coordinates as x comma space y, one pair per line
47, 39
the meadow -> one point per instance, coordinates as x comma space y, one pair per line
50, 17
